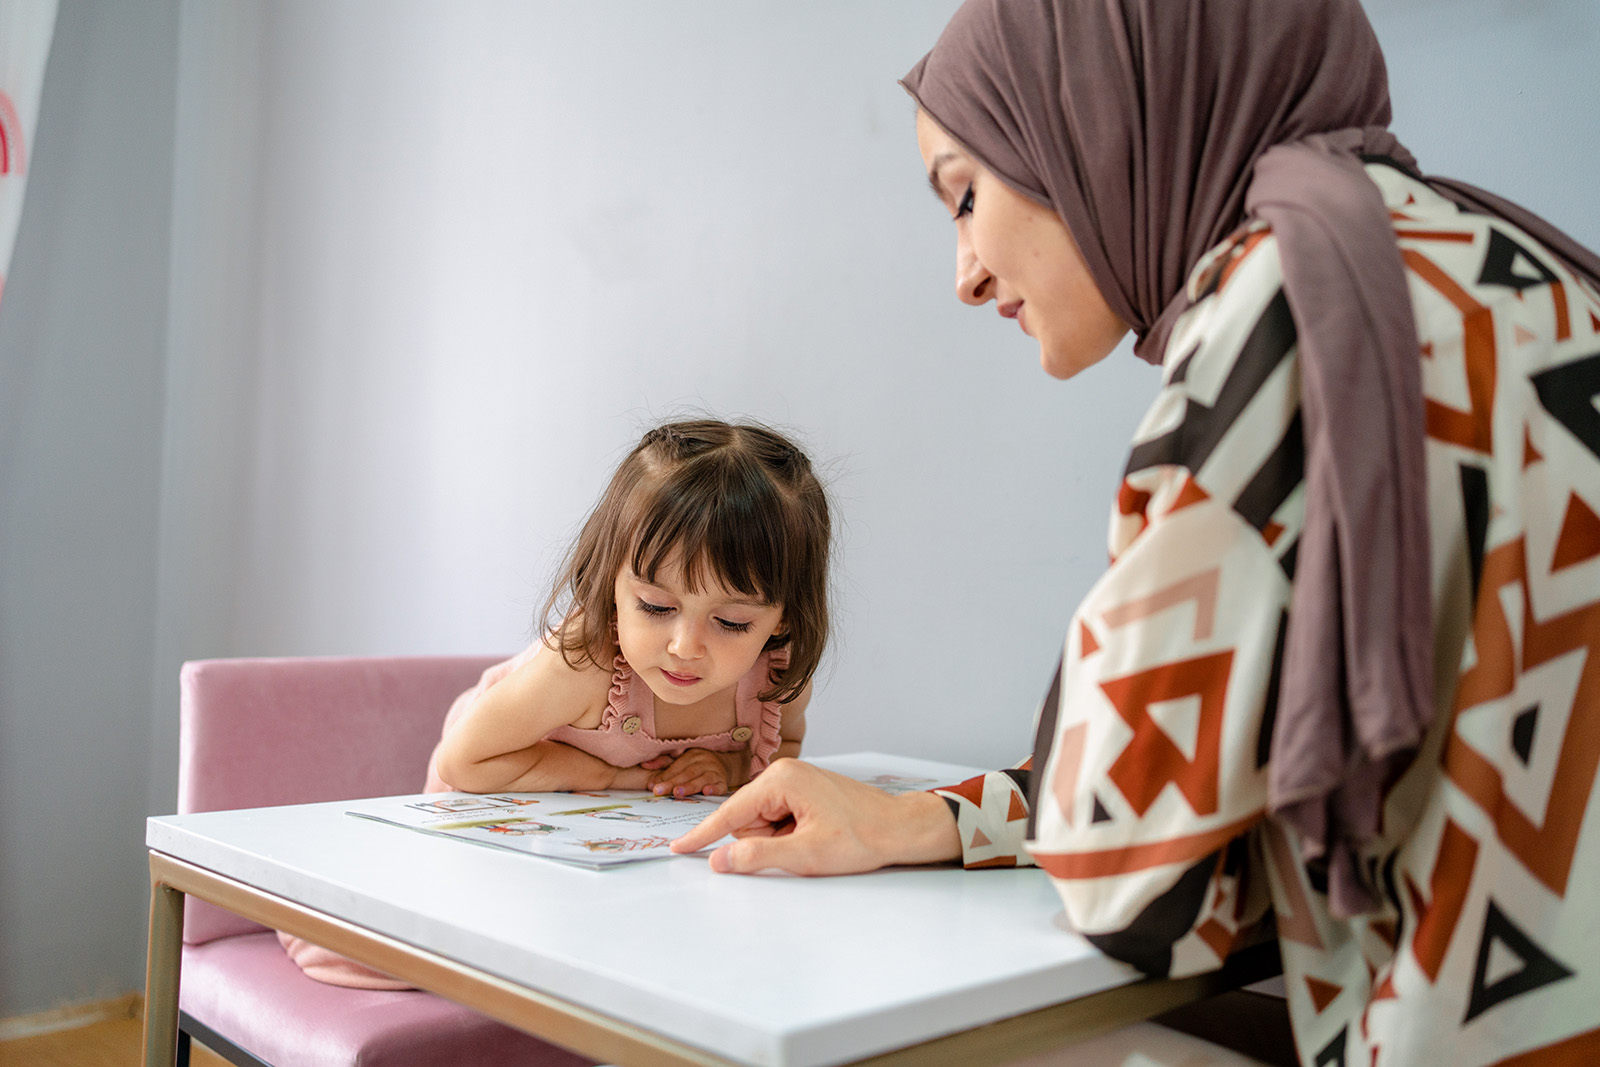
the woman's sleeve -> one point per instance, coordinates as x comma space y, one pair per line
991, 813
1151, 768
1151, 761
1152, 773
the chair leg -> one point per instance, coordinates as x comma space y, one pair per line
183, 1047
190, 1027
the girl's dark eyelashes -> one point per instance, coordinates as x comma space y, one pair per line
964, 208
659, 610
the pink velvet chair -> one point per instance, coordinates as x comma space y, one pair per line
258, 732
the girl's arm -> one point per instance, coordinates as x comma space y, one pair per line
717, 773
499, 743
558, 767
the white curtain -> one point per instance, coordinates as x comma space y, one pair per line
26, 27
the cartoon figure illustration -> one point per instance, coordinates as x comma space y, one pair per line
626, 844
518, 801
447, 805
624, 816
523, 828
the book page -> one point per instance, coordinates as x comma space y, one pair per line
610, 827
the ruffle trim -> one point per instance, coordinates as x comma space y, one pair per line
617, 698
769, 731
769, 727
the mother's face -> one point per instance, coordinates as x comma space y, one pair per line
1019, 254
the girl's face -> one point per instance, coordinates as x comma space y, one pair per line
689, 646
1019, 254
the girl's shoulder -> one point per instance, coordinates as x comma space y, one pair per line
573, 680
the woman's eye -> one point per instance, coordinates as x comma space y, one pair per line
735, 627
654, 609
964, 208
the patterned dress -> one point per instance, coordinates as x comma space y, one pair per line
1151, 806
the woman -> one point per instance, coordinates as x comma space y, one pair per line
1338, 672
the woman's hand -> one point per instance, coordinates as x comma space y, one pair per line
805, 820
696, 771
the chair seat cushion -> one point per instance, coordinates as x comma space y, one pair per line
247, 988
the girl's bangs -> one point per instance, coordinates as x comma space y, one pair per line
736, 552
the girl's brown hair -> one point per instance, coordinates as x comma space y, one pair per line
739, 499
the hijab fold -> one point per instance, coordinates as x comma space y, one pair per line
1156, 129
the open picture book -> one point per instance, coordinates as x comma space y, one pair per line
605, 828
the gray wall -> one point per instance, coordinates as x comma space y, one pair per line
326, 320
82, 352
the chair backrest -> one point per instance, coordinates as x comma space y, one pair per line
261, 732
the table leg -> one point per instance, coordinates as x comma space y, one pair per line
161, 975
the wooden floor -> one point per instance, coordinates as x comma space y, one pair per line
115, 1043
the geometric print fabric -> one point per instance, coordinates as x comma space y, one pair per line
1149, 805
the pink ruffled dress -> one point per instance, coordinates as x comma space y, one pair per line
625, 737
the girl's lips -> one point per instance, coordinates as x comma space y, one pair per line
680, 679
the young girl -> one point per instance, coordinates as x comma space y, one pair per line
681, 636
679, 640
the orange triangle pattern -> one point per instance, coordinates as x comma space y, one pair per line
1131, 501
1580, 535
1322, 993
979, 840
1189, 494
970, 790
1018, 809
1530, 455
1087, 645
1271, 532
1594, 322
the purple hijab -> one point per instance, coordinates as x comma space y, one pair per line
1154, 129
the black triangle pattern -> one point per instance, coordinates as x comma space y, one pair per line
1333, 1052
1567, 392
1475, 510
1522, 730
1538, 969
1508, 263
1269, 712
1100, 812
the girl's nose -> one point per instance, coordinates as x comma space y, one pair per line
686, 641
974, 283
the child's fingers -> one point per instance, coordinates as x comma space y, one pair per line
701, 781
655, 763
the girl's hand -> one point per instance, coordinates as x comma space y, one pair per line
800, 818
696, 771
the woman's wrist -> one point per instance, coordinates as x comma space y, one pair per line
920, 829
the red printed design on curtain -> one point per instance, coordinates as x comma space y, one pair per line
26, 28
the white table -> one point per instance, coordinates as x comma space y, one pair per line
663, 961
